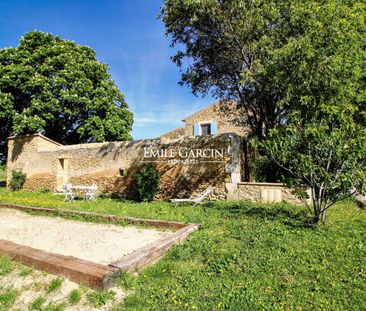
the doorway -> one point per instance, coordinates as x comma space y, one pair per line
62, 168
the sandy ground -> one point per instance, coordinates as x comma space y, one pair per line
100, 243
35, 285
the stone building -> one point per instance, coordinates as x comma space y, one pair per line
218, 118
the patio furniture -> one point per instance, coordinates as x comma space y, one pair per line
89, 192
197, 200
68, 193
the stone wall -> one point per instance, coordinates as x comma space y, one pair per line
174, 134
112, 165
263, 192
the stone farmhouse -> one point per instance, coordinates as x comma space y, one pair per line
218, 118
206, 151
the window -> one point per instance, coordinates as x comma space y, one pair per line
206, 129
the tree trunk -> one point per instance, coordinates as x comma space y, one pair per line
317, 204
323, 216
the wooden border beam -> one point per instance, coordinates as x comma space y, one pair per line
81, 271
150, 253
108, 217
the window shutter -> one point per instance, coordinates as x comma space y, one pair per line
196, 129
213, 128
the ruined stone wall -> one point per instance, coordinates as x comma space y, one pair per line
228, 117
112, 165
264, 193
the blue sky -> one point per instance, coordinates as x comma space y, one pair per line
129, 38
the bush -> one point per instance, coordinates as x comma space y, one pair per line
2, 172
17, 180
147, 182
43, 190
266, 170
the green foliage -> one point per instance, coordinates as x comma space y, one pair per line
271, 56
266, 170
74, 297
17, 180
59, 88
125, 280
6, 266
54, 285
43, 190
7, 298
99, 298
325, 151
26, 271
37, 303
55, 307
2, 172
147, 182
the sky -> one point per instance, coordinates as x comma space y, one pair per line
127, 36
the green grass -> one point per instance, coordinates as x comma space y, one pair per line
37, 303
54, 285
54, 307
245, 257
26, 271
7, 299
74, 297
6, 266
99, 298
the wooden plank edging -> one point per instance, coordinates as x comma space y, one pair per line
109, 217
81, 271
150, 253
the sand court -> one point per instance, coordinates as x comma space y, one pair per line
99, 243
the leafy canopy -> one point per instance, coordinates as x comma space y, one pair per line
326, 153
272, 56
59, 88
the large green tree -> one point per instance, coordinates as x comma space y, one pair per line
59, 88
272, 56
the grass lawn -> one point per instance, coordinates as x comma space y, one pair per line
246, 256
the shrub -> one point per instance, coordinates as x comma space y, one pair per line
147, 182
2, 172
43, 190
17, 180
266, 170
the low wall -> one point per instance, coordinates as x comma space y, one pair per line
262, 192
187, 165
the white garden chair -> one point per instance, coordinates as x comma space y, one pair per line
91, 193
68, 193
197, 200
